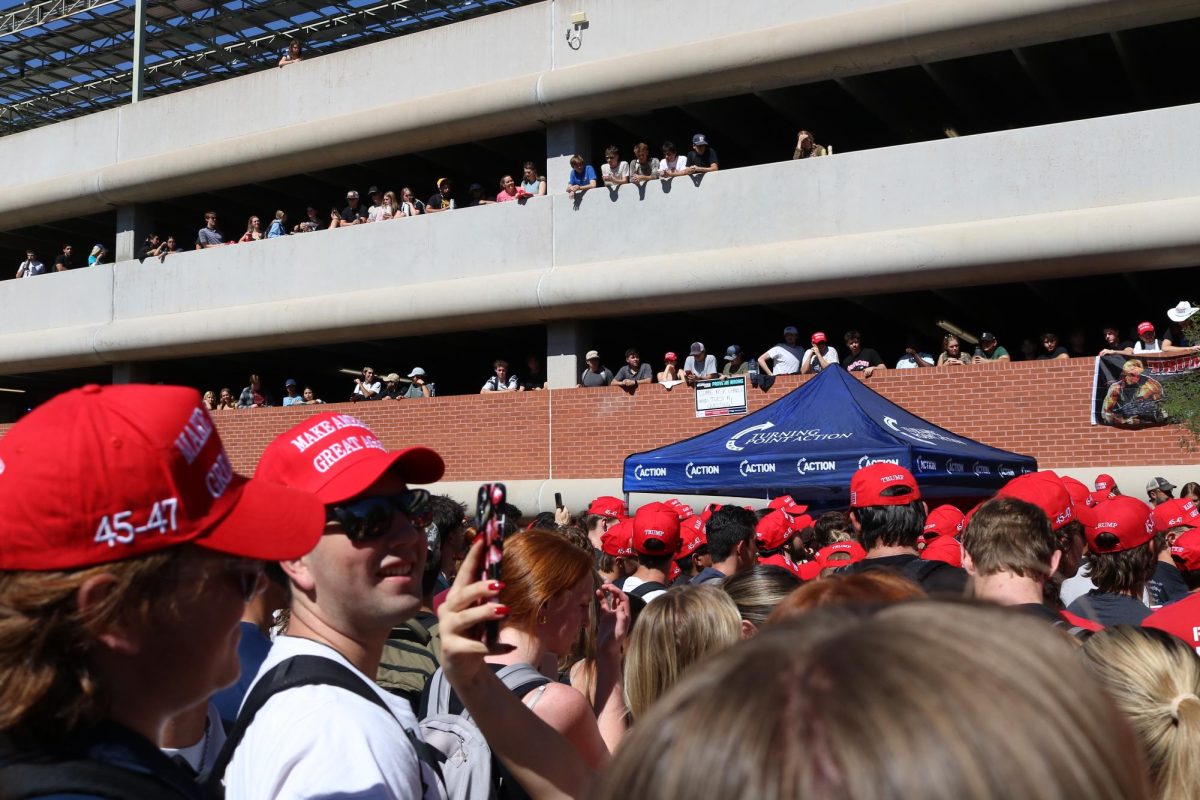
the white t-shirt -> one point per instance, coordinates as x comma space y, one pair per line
830, 355
632, 583
374, 386
323, 742
783, 360
710, 365
202, 756
673, 166
1141, 347
607, 172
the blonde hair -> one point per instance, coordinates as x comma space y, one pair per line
48, 687
675, 631
836, 706
1155, 680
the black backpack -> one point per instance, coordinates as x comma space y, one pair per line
290, 674
20, 780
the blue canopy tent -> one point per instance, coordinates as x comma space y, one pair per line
810, 442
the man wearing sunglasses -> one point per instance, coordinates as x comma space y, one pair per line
362, 579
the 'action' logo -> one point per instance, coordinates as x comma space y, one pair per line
640, 472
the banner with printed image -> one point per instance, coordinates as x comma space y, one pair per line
1128, 391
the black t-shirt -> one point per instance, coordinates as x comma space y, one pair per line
866, 358
935, 577
1110, 609
1055, 353
350, 214
66, 260
705, 159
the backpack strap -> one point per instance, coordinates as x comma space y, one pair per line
309, 671
646, 588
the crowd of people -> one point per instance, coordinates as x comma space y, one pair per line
325, 629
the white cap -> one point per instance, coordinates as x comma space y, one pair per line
1183, 311
416, 371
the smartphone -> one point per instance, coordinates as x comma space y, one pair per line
558, 500
490, 522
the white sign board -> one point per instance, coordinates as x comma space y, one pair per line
721, 397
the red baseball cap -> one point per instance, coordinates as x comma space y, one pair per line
101, 474
707, 513
681, 509
1044, 490
673, 572
1177, 513
692, 536
1186, 550
336, 457
1145, 327
670, 356
818, 337
1126, 518
943, 521
787, 505
800, 523
869, 482
851, 548
1082, 504
1181, 619
1103, 488
773, 531
655, 530
943, 548
618, 539
611, 507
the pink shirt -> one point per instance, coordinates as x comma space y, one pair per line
505, 197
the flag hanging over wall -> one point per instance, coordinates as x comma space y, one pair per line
1128, 391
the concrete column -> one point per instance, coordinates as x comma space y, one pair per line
134, 223
139, 51
564, 140
130, 372
565, 347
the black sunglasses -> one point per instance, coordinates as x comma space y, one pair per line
372, 517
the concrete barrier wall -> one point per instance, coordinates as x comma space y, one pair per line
575, 440
503, 73
921, 215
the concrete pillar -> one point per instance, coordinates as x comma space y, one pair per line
564, 140
565, 346
139, 51
130, 372
134, 223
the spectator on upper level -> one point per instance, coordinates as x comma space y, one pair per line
391, 388
291, 390
1053, 350
1113, 343
819, 356
531, 181
173, 246
309, 397
501, 380
99, 255
952, 354
634, 371
153, 247
670, 371
293, 54
859, 358
420, 386
254, 231
66, 261
1147, 342
278, 225
1077, 346
30, 266
252, 396
535, 376
914, 357
735, 361
509, 191
442, 200
353, 214
475, 196
989, 350
785, 357
672, 164
312, 222
595, 374
225, 400
1029, 350
376, 209
1174, 341
210, 235
807, 147
699, 364
614, 171
367, 386
643, 167
702, 158
390, 208
409, 205
582, 176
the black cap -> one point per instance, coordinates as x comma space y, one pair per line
987, 336
374, 190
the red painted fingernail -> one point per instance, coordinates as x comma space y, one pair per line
500, 611
496, 586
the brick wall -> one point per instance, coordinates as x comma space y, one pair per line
1040, 408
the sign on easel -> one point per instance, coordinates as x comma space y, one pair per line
721, 397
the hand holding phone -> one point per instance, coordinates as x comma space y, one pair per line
558, 500
489, 521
